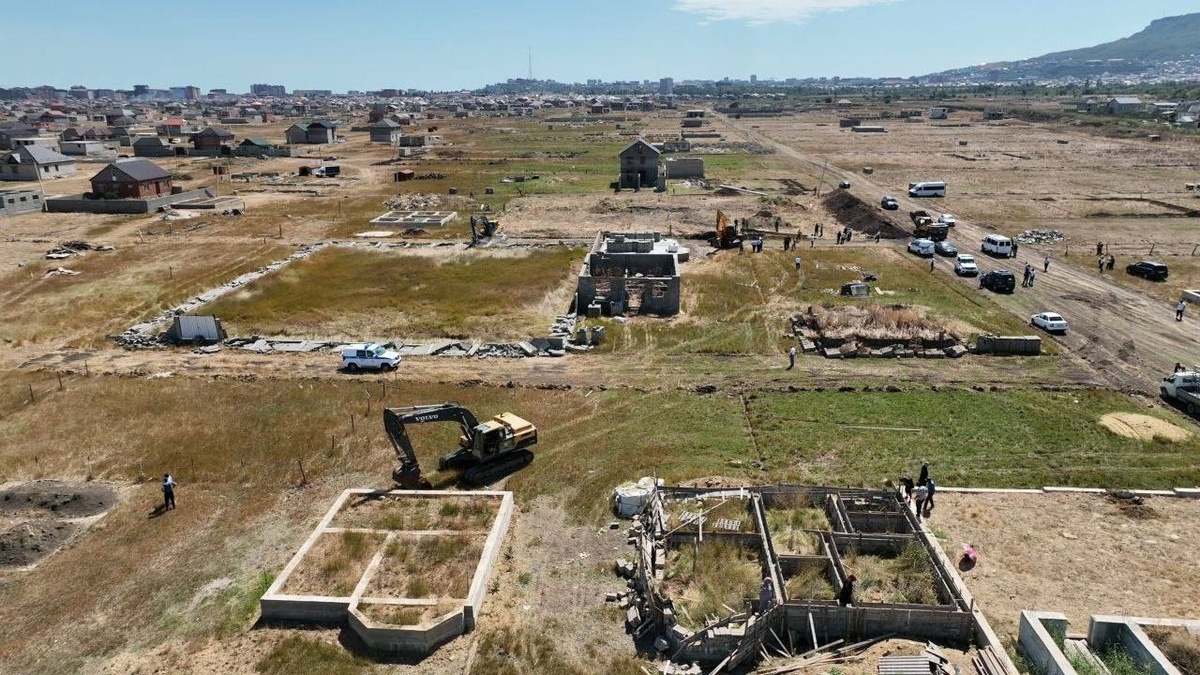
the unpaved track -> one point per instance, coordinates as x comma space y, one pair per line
1128, 339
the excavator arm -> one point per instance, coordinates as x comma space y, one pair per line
408, 474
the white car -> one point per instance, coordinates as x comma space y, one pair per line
965, 266
922, 247
368, 356
948, 219
1049, 322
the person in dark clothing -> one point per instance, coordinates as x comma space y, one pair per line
927, 505
906, 487
1178, 367
923, 477
168, 488
846, 595
1112, 260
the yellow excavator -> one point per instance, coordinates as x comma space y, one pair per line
727, 235
488, 450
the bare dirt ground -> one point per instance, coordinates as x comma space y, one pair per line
1127, 338
40, 517
1143, 427
1073, 553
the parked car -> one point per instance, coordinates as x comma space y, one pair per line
889, 203
965, 266
845, 185
1049, 322
948, 219
922, 247
1000, 281
1145, 269
945, 248
368, 356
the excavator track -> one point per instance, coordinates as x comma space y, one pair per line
490, 472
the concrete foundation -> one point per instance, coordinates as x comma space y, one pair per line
421, 638
78, 204
867, 521
413, 219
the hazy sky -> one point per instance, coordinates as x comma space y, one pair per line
451, 44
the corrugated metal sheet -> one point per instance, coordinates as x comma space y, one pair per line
192, 327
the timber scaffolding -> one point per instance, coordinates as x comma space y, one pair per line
868, 522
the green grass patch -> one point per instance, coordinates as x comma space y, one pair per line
296, 655
343, 291
741, 304
997, 439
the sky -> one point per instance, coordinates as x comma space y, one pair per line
454, 44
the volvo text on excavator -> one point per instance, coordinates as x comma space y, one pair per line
488, 450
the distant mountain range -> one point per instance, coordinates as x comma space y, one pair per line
1168, 49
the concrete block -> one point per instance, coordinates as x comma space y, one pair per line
1191, 493
1153, 493
1089, 491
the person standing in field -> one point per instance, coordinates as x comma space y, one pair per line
168, 489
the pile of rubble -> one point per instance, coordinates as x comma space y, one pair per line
73, 248
413, 202
1040, 236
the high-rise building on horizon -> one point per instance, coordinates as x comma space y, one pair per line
268, 90
666, 86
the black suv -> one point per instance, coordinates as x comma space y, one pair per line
1148, 270
1000, 281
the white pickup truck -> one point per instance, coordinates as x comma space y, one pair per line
368, 356
1182, 387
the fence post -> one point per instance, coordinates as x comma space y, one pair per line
60, 384
1151, 249
303, 476
352, 431
31, 397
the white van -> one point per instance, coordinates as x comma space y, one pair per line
934, 188
996, 245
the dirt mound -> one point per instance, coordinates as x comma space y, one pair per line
861, 217
54, 498
1143, 427
28, 542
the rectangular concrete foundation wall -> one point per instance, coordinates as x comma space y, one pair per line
940, 624
1107, 631
1038, 645
78, 204
422, 639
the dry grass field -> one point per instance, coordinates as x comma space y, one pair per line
703, 395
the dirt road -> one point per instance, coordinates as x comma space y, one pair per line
1126, 338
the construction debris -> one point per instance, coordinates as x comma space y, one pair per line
1040, 236
73, 248
413, 202
61, 271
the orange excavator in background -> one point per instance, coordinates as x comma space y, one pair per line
727, 235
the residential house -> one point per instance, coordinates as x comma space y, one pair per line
1124, 105
173, 127
89, 148
33, 162
153, 146
87, 134
16, 201
260, 147
385, 131
12, 132
297, 133
213, 141
639, 165
322, 131
131, 179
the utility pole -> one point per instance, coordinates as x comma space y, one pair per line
821, 181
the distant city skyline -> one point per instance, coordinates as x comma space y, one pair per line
374, 44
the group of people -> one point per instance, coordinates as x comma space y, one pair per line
1030, 275
1106, 262
921, 491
